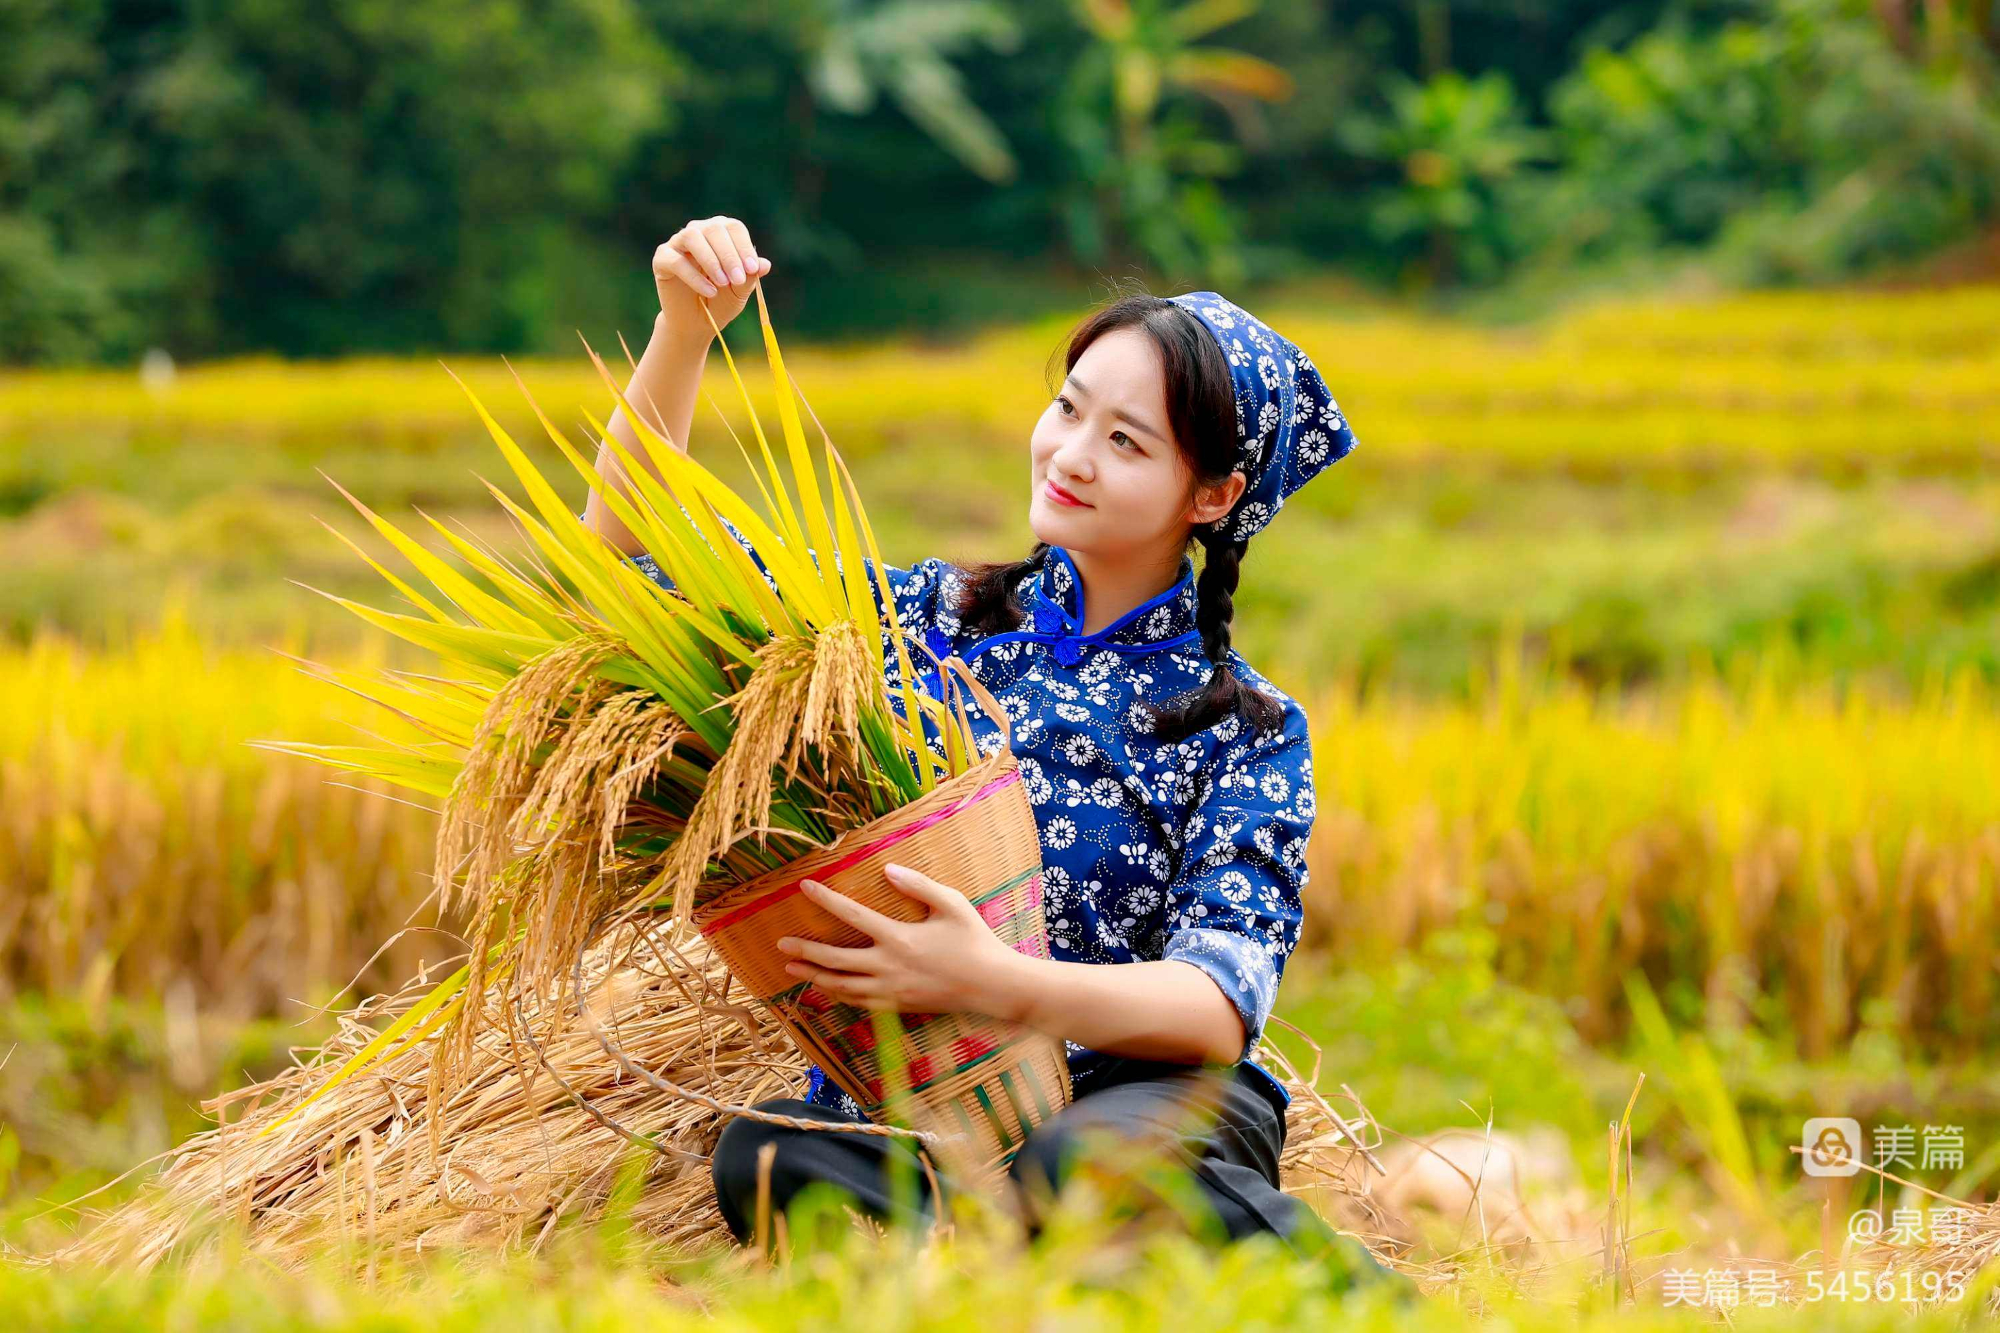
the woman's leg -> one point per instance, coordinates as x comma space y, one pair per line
857, 1163
1223, 1128
1145, 1117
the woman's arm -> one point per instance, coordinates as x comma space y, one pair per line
1162, 1010
952, 961
705, 272
662, 389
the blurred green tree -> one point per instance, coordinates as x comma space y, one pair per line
1460, 143
491, 174
1800, 146
899, 49
1146, 164
255, 175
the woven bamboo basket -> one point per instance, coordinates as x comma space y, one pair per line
976, 1081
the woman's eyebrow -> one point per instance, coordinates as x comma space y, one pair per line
1119, 412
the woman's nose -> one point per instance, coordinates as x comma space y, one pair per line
1072, 459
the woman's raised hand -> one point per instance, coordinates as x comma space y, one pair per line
711, 262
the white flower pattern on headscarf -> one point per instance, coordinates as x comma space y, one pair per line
1279, 393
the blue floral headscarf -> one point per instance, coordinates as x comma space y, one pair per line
1288, 427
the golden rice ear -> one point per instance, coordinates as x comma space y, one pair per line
737, 796
842, 673
480, 832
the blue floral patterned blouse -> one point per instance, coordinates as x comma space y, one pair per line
1194, 850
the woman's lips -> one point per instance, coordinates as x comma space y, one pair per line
1061, 496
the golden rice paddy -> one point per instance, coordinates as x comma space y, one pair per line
1812, 845
1839, 379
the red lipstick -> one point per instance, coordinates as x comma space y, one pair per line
1061, 496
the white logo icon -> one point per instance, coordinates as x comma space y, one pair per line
1831, 1145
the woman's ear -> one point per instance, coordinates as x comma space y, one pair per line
1217, 498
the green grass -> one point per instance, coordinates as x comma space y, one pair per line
956, 1286
1431, 1042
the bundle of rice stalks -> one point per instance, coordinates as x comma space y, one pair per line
607, 749
611, 756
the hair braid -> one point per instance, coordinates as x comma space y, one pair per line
1224, 693
1215, 594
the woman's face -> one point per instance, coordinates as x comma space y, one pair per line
1103, 442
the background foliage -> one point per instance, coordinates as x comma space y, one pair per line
491, 174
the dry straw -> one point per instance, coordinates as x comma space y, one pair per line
658, 1040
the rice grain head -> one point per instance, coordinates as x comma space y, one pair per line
508, 823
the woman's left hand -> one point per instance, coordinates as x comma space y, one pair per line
950, 961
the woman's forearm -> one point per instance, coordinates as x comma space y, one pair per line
662, 389
1158, 1010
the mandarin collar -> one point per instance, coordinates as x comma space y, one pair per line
1053, 598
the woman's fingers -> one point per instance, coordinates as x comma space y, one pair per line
727, 256
831, 955
670, 262
739, 235
923, 888
697, 245
869, 921
845, 986
708, 255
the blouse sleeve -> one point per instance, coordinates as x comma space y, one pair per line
1235, 907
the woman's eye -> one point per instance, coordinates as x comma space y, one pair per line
1129, 441
1065, 404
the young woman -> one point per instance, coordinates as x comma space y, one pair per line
1171, 782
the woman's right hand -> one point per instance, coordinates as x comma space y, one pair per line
710, 261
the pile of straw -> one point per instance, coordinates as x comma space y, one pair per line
656, 1045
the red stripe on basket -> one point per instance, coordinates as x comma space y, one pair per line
862, 853
994, 1054
996, 911
971, 1046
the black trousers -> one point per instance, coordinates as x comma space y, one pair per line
1224, 1127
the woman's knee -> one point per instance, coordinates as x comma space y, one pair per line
1099, 1135
1040, 1160
733, 1166
1052, 1147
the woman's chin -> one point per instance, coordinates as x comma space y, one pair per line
1058, 525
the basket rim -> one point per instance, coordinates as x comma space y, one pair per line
861, 840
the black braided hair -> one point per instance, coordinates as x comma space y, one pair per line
1201, 416
1225, 692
